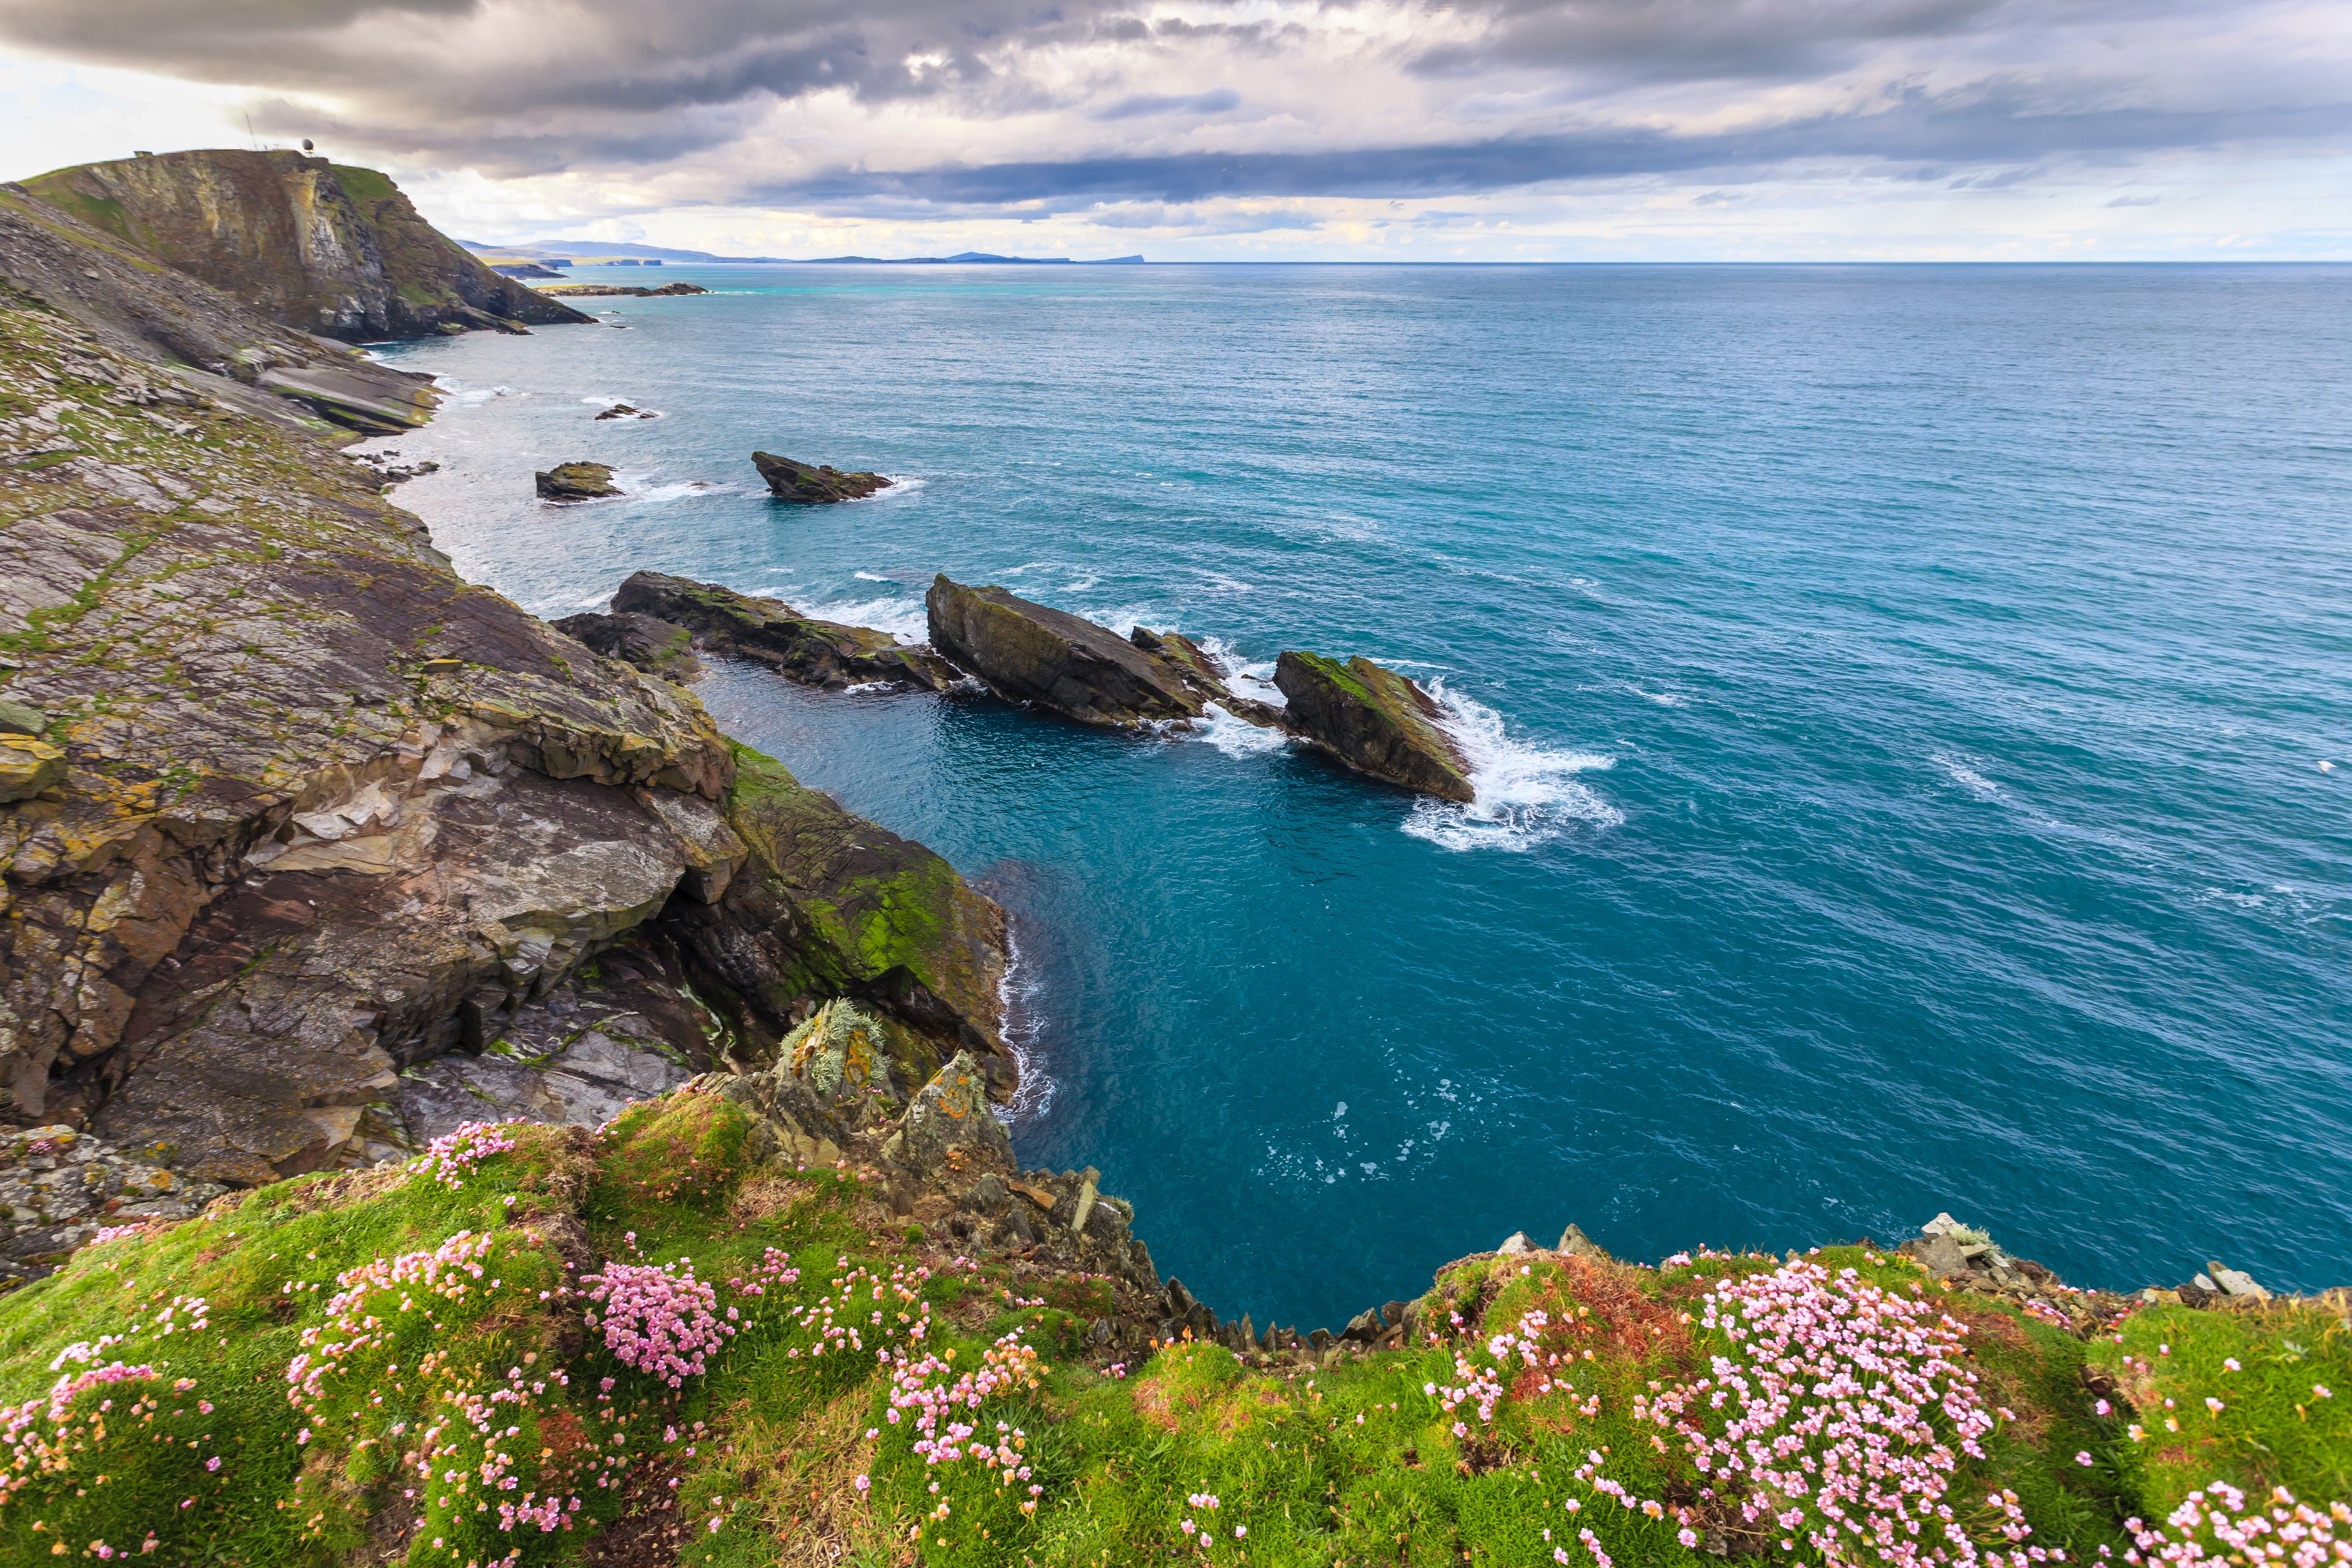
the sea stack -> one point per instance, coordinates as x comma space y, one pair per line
820, 485
1026, 652
1374, 721
577, 481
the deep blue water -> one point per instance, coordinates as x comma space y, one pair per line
1911, 703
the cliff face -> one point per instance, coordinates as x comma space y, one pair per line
325, 247
316, 846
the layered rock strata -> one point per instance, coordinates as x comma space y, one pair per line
1028, 652
819, 484
1374, 722
814, 652
324, 248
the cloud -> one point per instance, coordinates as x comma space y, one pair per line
924, 110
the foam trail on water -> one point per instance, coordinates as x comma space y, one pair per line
1527, 794
1018, 994
1235, 737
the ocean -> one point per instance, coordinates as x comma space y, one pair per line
1911, 710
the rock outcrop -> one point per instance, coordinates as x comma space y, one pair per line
336, 846
59, 1188
1203, 675
576, 482
653, 644
814, 652
1026, 652
825, 903
627, 411
820, 485
1374, 721
324, 248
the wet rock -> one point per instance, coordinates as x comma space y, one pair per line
651, 643
1374, 720
1203, 676
814, 652
951, 1125
576, 482
818, 485
627, 411
1026, 652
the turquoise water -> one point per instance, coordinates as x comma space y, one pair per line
1910, 706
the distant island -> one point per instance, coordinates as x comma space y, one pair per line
593, 252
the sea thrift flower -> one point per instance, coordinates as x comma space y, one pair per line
658, 1320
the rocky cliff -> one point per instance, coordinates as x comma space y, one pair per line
307, 822
321, 246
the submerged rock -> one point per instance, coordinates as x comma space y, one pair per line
1028, 652
1374, 721
814, 652
813, 486
655, 646
577, 481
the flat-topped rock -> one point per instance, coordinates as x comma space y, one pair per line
1026, 652
1374, 721
814, 652
577, 481
819, 484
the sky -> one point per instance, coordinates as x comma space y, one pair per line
1257, 130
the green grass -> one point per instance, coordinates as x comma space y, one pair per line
1349, 1461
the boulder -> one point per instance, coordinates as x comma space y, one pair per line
814, 652
820, 485
653, 644
16, 719
577, 481
950, 1126
1026, 652
1374, 721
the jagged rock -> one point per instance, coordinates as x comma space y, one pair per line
1374, 721
828, 904
655, 646
814, 652
577, 481
327, 248
1026, 652
813, 486
28, 767
951, 1125
841, 1061
1515, 1243
1203, 676
625, 411
1574, 1243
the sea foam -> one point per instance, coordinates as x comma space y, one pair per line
1527, 794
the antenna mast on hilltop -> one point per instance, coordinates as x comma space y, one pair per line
249, 136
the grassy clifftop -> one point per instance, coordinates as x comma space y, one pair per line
658, 1344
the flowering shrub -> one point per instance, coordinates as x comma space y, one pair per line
658, 1320
451, 1158
104, 1443
2213, 1525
